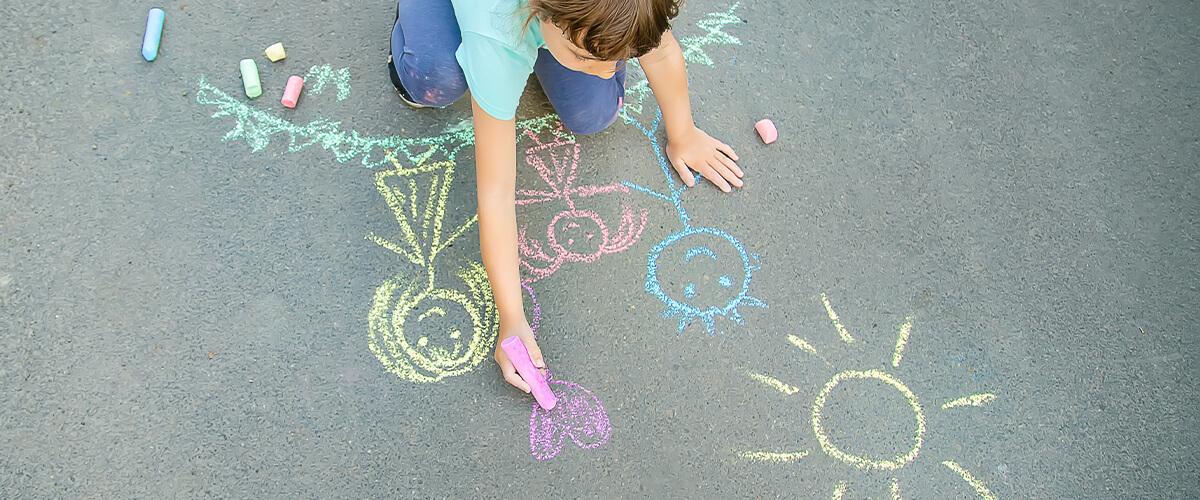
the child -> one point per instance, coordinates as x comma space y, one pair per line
577, 49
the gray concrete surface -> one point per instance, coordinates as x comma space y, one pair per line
185, 317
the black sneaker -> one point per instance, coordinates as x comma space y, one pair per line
395, 76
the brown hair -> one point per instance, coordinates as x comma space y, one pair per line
611, 30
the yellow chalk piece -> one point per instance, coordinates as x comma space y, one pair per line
276, 53
774, 383
802, 344
839, 490
895, 489
837, 323
978, 485
773, 457
972, 400
901, 341
860, 461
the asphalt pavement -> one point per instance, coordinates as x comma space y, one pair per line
968, 268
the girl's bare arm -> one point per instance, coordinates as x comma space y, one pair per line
687, 145
496, 177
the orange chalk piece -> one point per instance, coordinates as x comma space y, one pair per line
291, 93
276, 53
766, 130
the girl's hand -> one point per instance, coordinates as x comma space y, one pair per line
696, 150
506, 367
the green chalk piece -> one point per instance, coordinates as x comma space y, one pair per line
250, 78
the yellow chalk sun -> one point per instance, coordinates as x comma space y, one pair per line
865, 461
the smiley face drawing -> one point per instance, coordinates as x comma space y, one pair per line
578, 234
425, 334
700, 274
573, 234
423, 331
439, 342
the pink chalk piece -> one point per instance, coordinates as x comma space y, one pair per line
579, 416
766, 130
291, 93
515, 349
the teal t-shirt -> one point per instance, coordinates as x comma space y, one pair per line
495, 55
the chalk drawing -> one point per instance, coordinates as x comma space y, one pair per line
864, 462
573, 234
320, 76
578, 416
695, 299
978, 485
715, 248
901, 341
416, 327
713, 25
689, 302
535, 319
802, 344
774, 383
771, 456
408, 315
257, 128
839, 490
912, 447
837, 323
972, 400
693, 47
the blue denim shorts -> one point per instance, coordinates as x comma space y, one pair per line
423, 43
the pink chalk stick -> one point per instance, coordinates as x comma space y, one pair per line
515, 349
291, 93
766, 130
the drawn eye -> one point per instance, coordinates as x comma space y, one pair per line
725, 281
689, 291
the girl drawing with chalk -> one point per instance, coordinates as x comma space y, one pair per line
440, 49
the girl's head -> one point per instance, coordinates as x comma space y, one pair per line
591, 36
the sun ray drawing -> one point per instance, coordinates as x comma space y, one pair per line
848, 380
773, 456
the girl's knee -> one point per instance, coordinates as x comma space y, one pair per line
437, 87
